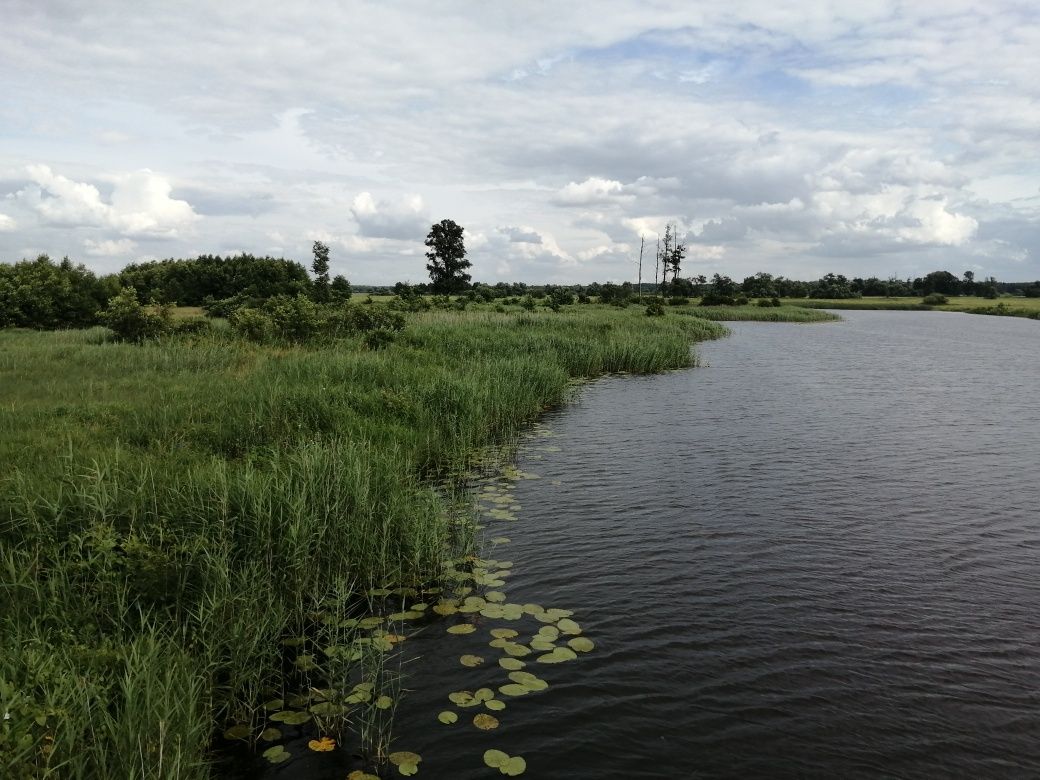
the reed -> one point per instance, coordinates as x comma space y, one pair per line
172, 514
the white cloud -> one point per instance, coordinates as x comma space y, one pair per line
7, 224
108, 247
405, 219
593, 190
140, 203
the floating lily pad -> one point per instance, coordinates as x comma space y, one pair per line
274, 704
529, 681
504, 633
277, 754
471, 660
462, 698
483, 694
568, 626
516, 650
512, 664
270, 734
448, 717
495, 704
445, 609
291, 717
383, 703
495, 596
406, 763
557, 656
513, 767
501, 540
327, 709
370, 622
514, 689
485, 722
495, 758
323, 745
462, 628
581, 644
552, 633
357, 774
542, 644
239, 731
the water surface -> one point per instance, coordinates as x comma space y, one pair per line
816, 556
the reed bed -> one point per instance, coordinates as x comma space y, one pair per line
171, 513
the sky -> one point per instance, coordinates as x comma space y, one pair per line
869, 139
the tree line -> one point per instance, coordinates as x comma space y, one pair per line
42, 293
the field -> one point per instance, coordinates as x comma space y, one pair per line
1012, 307
181, 521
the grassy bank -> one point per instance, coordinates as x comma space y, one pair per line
758, 314
1007, 307
173, 515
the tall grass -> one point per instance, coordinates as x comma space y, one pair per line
171, 513
759, 314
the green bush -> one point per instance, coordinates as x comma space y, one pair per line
655, 309
678, 300
935, 299
130, 321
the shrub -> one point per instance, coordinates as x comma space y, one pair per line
191, 325
678, 300
252, 324
935, 299
714, 298
655, 309
527, 303
130, 321
774, 301
378, 338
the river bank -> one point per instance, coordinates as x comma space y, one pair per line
185, 523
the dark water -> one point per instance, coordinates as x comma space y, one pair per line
817, 556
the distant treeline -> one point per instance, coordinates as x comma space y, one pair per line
42, 293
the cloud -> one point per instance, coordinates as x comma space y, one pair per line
521, 235
7, 224
108, 247
591, 191
140, 203
406, 219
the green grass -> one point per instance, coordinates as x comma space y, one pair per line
1010, 307
787, 313
171, 513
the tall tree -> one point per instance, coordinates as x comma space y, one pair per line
675, 257
447, 258
320, 266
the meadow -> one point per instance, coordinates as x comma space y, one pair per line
185, 524
1004, 306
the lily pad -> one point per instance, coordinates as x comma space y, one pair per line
495, 758
383, 703
557, 656
512, 664
495, 705
270, 734
514, 689
239, 731
357, 774
291, 717
277, 754
581, 644
447, 717
327, 709
516, 650
462, 628
471, 660
485, 722
516, 765
406, 763
568, 626
504, 633
528, 680
495, 596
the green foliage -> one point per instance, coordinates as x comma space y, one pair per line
655, 308
300, 320
130, 321
678, 300
935, 299
321, 291
191, 282
447, 256
409, 298
341, 290
527, 303
46, 295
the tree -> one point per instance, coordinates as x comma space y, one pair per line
341, 291
320, 267
447, 258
